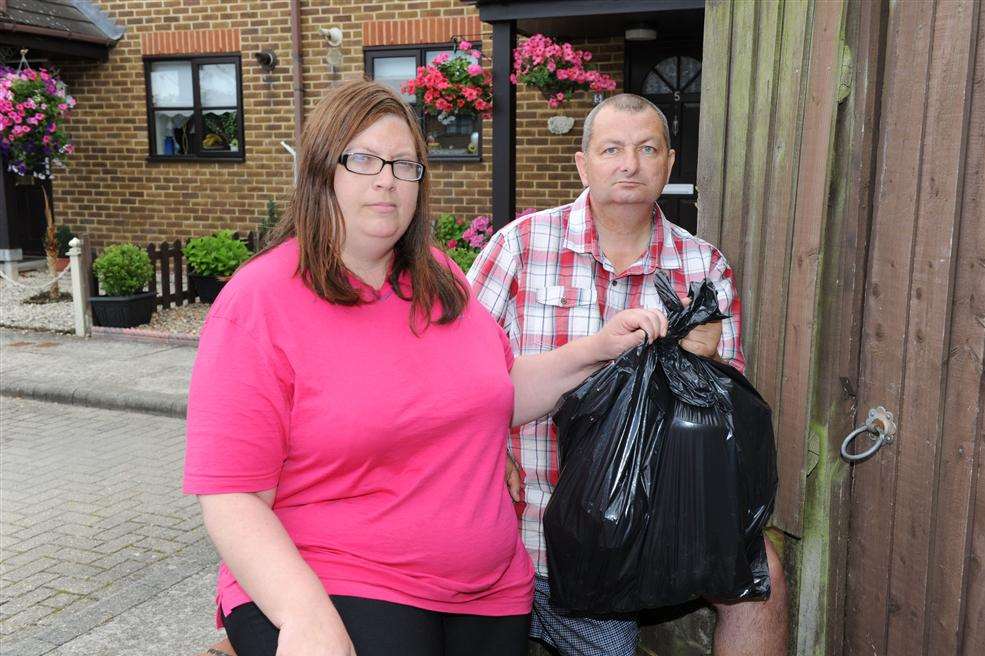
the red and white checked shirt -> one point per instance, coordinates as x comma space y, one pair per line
544, 278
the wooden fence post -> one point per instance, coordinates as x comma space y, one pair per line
179, 274
164, 258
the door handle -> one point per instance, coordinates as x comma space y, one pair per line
881, 429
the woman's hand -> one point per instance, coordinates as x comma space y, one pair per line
322, 635
512, 479
625, 330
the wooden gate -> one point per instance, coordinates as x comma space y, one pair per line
841, 170
916, 539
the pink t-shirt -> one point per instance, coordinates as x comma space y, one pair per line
387, 449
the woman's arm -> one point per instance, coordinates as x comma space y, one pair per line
266, 563
540, 380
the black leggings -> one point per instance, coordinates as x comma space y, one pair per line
381, 628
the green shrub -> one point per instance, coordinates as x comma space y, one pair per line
215, 255
63, 235
123, 270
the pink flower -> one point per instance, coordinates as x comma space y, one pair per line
452, 243
441, 59
587, 56
471, 93
464, 45
474, 69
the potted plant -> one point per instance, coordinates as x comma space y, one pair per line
123, 270
211, 262
558, 71
453, 86
63, 235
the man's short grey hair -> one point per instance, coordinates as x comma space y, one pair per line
624, 102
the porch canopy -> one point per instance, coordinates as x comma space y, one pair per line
560, 18
65, 28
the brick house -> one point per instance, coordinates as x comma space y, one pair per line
840, 167
128, 180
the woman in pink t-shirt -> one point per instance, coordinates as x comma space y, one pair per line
348, 415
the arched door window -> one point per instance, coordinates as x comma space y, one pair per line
673, 76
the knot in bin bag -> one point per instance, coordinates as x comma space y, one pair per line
668, 476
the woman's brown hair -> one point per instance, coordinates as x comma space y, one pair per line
313, 214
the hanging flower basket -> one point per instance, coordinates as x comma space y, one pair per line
557, 70
33, 107
453, 86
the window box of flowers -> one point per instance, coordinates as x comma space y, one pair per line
453, 85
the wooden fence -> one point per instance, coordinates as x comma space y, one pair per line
169, 267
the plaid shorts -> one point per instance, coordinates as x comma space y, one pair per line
580, 635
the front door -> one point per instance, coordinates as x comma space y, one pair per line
669, 76
25, 222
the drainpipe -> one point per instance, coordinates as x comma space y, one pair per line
296, 71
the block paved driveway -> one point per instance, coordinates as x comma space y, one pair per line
99, 551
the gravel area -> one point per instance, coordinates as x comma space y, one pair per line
41, 316
57, 317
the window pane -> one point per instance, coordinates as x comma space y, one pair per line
217, 85
654, 85
689, 68
220, 131
394, 71
458, 137
695, 85
668, 69
171, 84
431, 54
173, 132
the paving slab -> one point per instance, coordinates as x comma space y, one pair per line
94, 527
101, 372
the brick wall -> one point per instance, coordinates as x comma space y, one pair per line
111, 192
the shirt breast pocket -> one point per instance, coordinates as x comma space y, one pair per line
572, 310
565, 297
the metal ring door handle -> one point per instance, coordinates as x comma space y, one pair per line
880, 426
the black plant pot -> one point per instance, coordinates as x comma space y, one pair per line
206, 287
122, 311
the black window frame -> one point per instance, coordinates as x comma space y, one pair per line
419, 52
197, 109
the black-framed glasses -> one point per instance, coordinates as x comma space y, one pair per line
365, 164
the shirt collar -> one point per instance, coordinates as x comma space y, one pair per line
582, 237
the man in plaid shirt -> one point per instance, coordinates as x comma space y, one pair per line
559, 274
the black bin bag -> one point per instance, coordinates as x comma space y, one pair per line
667, 479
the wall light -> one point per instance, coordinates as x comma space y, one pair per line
641, 32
